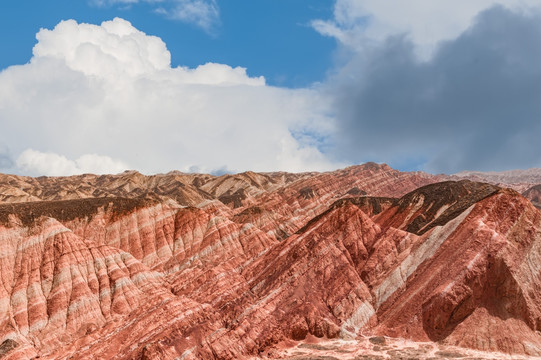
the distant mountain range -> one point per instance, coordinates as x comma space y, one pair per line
520, 180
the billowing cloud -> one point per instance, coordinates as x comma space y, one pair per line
464, 94
113, 49
475, 104
39, 163
110, 90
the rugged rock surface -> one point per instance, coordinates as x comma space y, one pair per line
519, 180
528, 176
267, 266
57, 287
474, 287
435, 205
186, 189
380, 348
534, 194
527, 182
284, 211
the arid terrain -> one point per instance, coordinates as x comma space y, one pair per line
361, 263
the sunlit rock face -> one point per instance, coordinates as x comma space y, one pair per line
357, 261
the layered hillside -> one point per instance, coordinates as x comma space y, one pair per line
269, 265
527, 182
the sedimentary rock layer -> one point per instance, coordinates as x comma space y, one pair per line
247, 265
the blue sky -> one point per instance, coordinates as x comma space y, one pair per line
233, 85
272, 38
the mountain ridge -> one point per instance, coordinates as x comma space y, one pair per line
281, 262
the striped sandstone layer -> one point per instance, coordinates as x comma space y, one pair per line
264, 260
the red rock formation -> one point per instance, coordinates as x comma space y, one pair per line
58, 287
186, 189
284, 211
345, 273
483, 273
263, 262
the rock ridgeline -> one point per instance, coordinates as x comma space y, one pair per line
519, 180
244, 266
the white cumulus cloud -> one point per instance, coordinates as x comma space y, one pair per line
45, 163
109, 89
115, 47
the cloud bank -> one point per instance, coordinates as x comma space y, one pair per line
100, 98
51, 164
444, 89
362, 24
474, 103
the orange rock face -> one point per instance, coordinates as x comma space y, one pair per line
251, 265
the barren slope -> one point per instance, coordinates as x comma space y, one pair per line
260, 264
534, 195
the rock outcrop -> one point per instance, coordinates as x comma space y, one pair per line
534, 195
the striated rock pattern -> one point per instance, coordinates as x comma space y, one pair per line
534, 195
57, 287
345, 264
435, 204
186, 189
474, 289
284, 211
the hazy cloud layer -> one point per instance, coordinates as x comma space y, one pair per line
51, 164
474, 105
100, 98
202, 13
